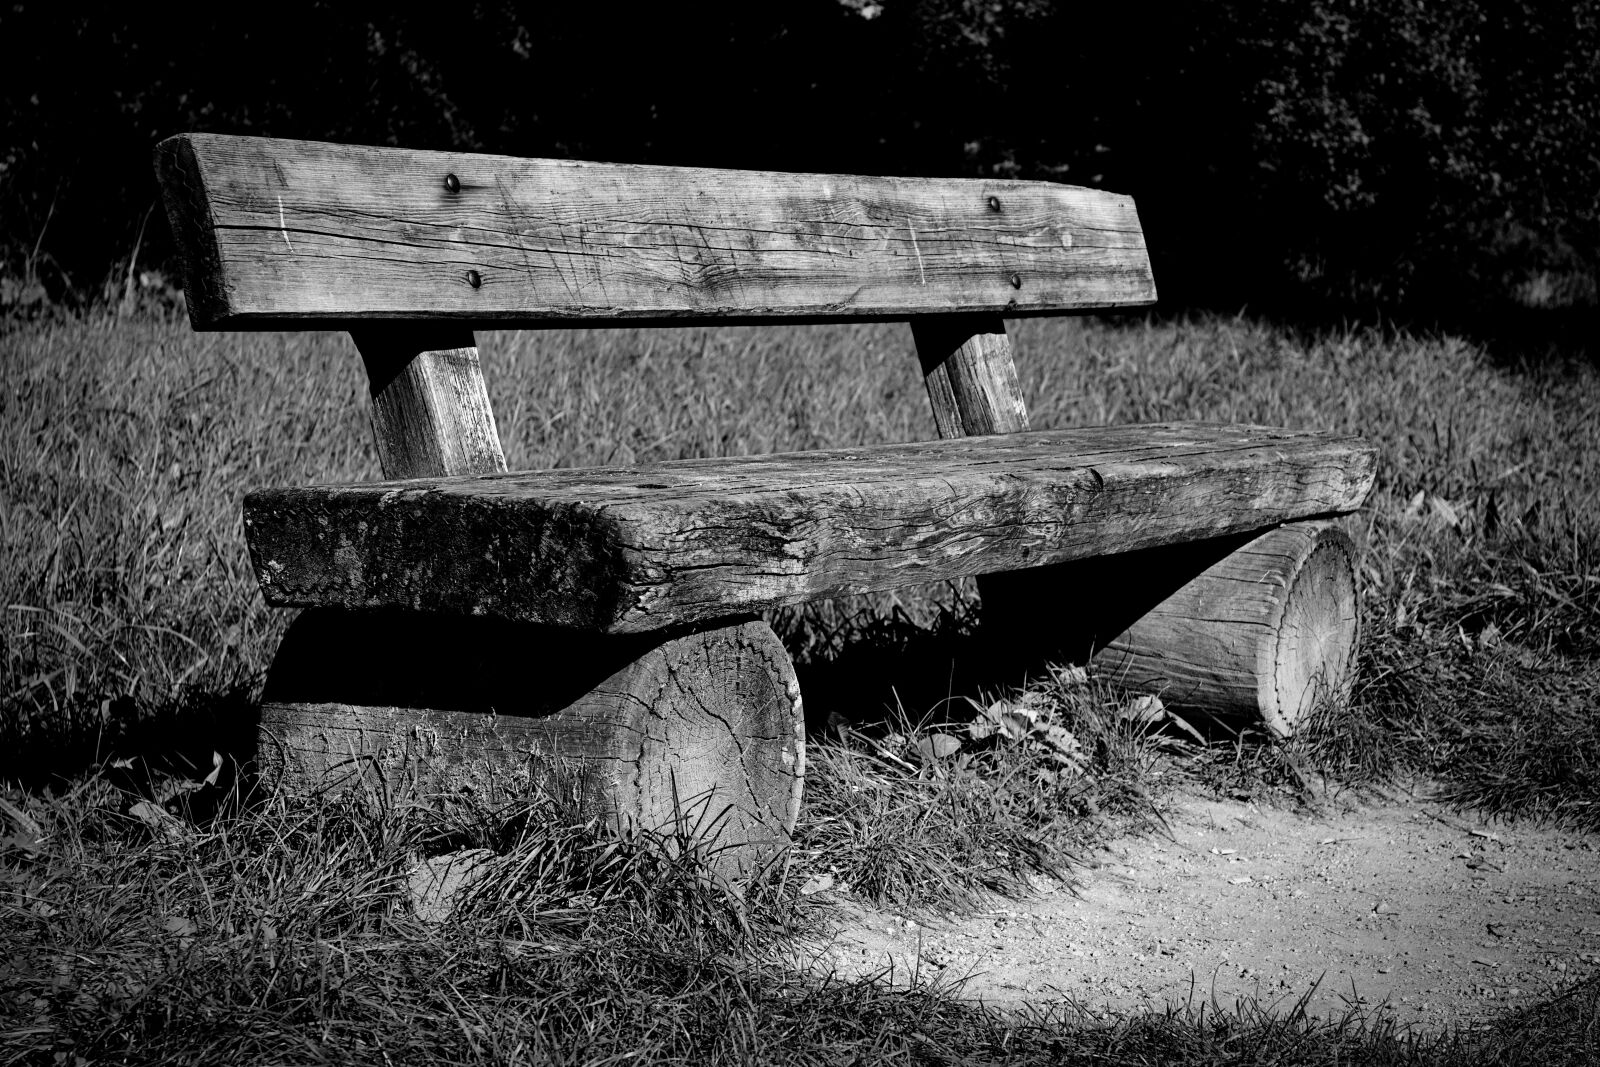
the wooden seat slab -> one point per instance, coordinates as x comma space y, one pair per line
631, 549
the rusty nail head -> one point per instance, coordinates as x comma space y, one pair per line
1016, 281
474, 279
452, 183
994, 203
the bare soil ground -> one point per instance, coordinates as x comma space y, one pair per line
1395, 907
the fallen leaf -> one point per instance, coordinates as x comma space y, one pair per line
216, 769
179, 926
1143, 709
437, 883
1445, 510
22, 819
938, 746
1241, 880
816, 884
159, 819
1070, 676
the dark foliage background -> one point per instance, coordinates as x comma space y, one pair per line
1423, 157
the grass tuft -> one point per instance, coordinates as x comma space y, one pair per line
932, 815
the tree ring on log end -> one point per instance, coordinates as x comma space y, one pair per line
1312, 639
699, 731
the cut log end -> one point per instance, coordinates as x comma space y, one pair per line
700, 733
1313, 645
1259, 628
1267, 633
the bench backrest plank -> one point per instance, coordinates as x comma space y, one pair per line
278, 233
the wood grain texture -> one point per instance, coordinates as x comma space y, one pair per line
277, 232
1266, 634
1254, 628
972, 384
430, 408
706, 726
971, 379
630, 549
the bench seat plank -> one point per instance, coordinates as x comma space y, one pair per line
279, 233
630, 549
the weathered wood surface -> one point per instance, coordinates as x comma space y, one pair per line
277, 232
972, 384
971, 379
1254, 629
704, 726
430, 408
1263, 635
629, 549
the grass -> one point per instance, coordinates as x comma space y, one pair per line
131, 625
281, 932
929, 815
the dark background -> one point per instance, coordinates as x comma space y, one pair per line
1429, 160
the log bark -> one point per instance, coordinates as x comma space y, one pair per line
1259, 629
631, 549
1267, 634
700, 730
277, 232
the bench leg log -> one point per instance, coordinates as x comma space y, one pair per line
1265, 634
1259, 629
702, 730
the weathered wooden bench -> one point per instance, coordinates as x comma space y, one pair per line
603, 624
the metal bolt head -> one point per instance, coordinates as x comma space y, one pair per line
474, 279
452, 183
994, 203
1016, 281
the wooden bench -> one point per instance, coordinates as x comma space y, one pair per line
600, 627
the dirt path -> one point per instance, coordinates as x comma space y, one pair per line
1398, 907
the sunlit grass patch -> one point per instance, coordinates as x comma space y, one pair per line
934, 814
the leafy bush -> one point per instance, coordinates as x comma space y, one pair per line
1416, 148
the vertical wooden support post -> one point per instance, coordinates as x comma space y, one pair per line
430, 408
971, 380
972, 384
